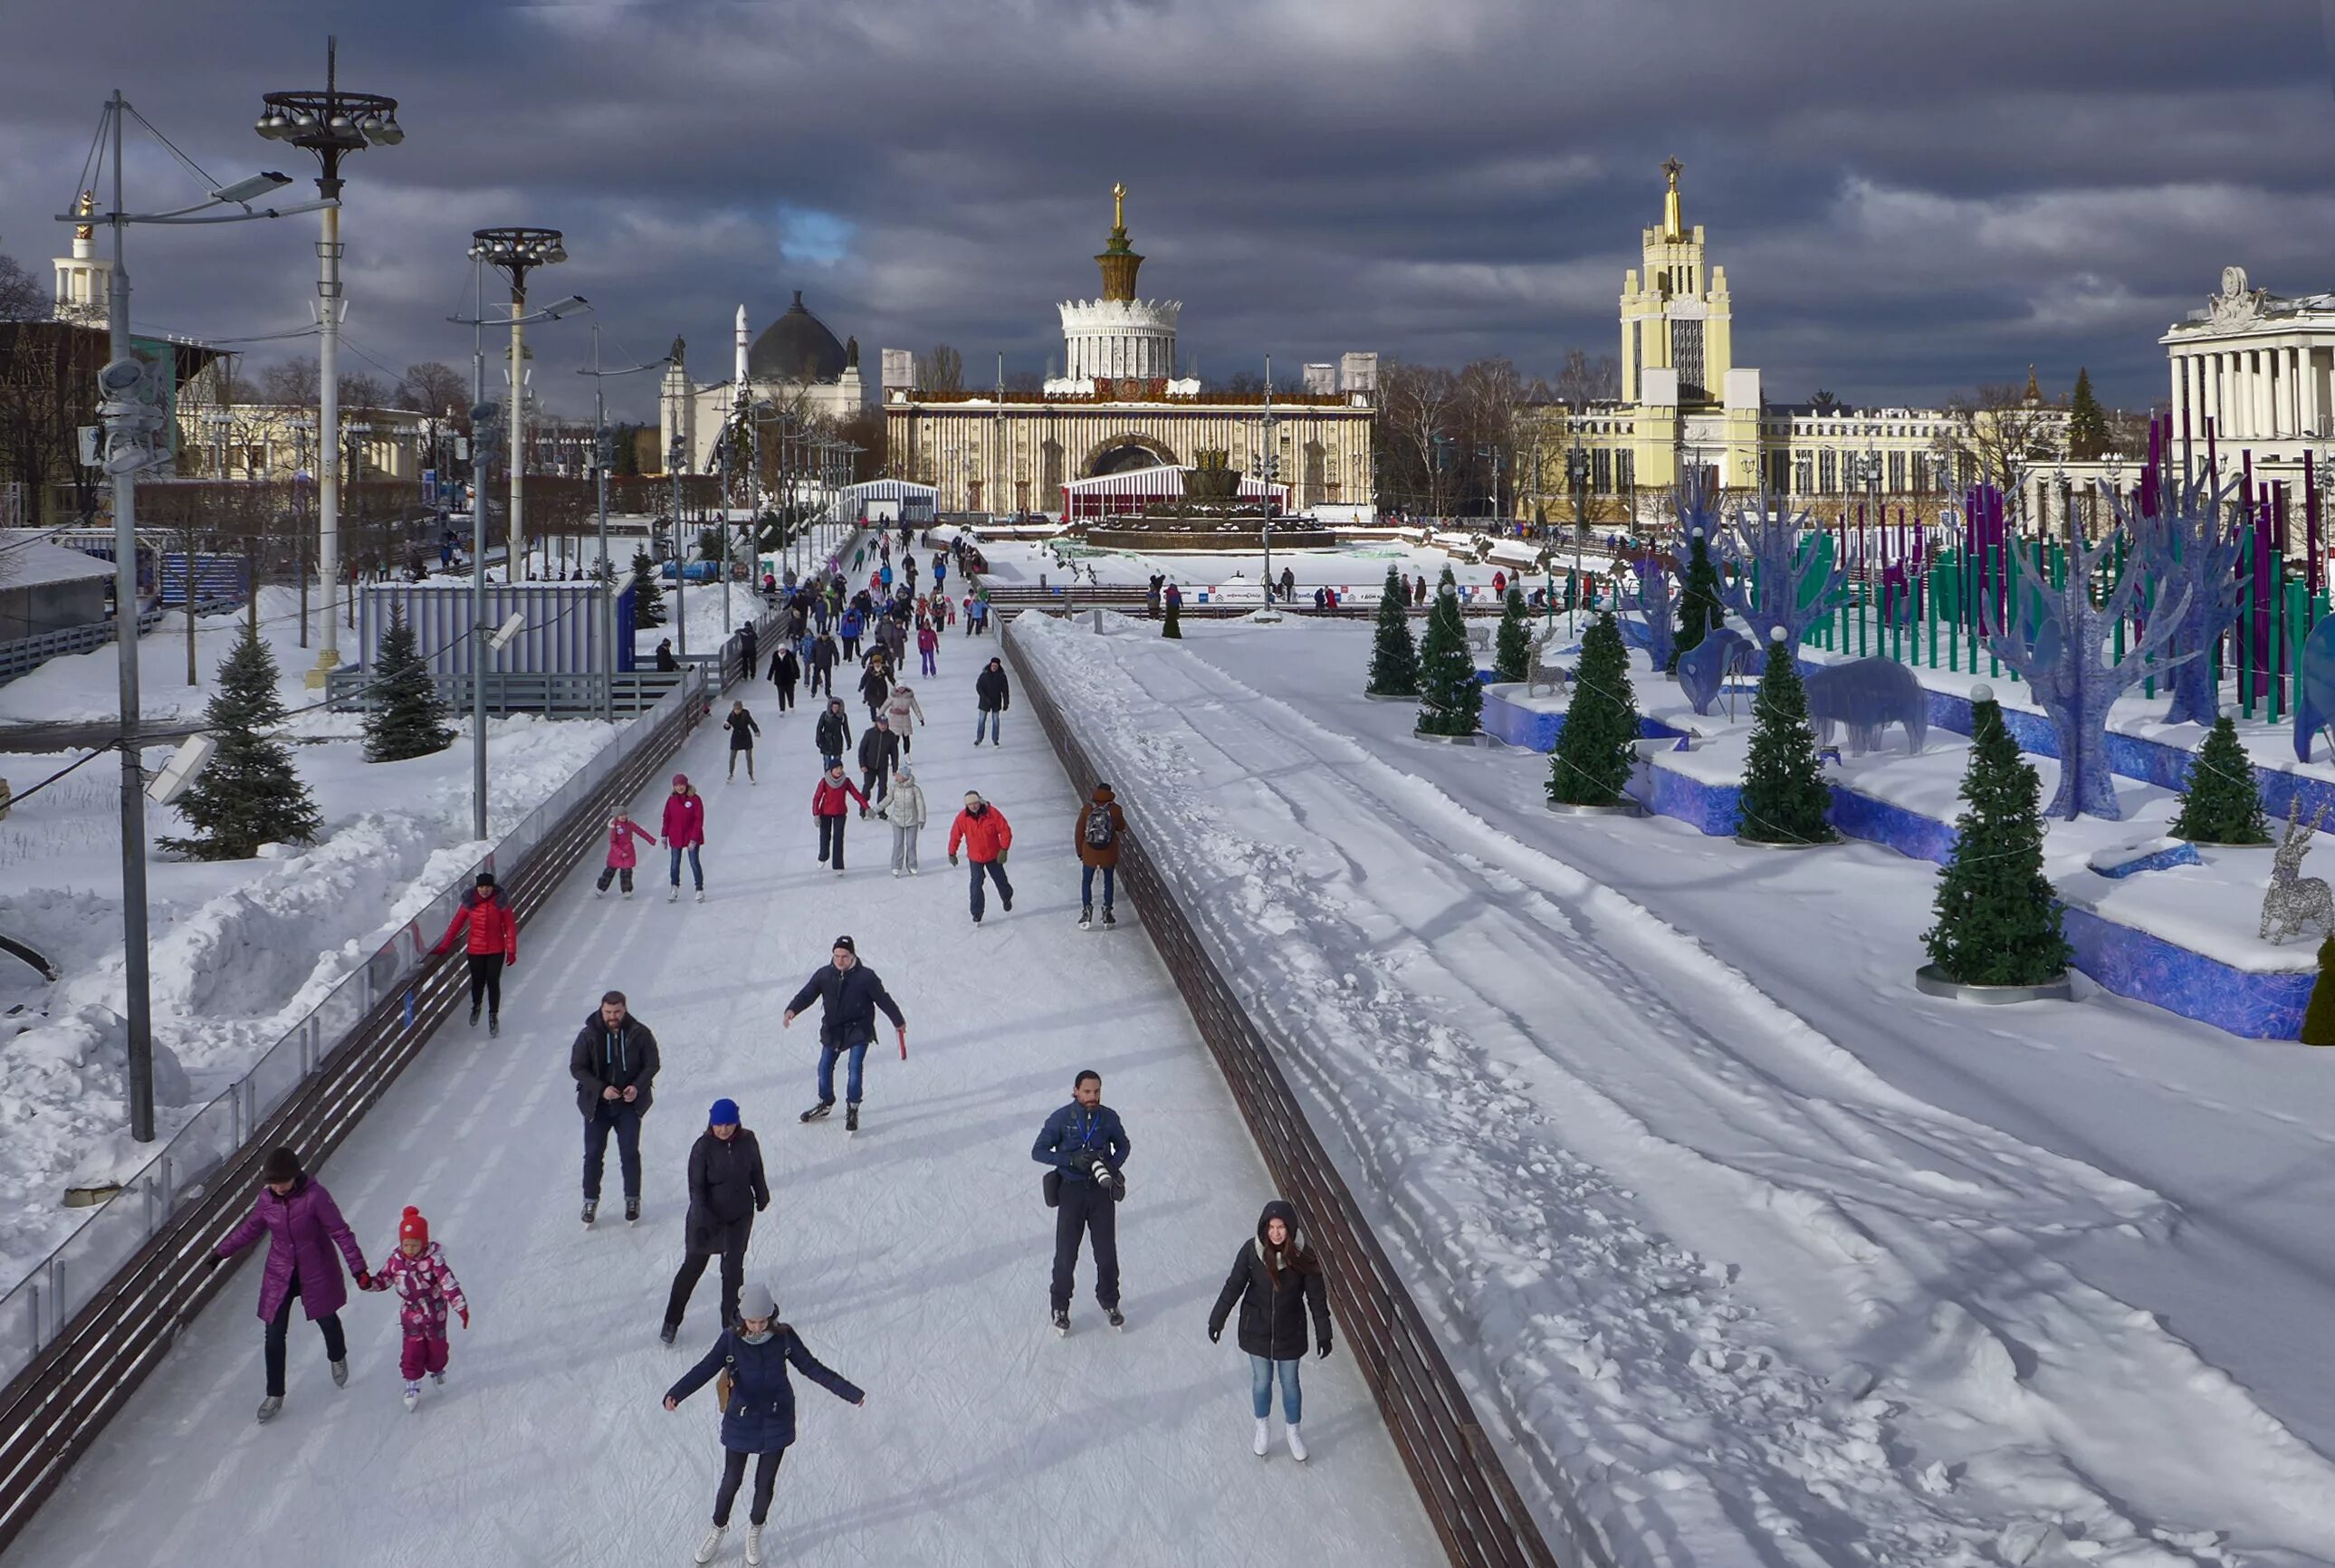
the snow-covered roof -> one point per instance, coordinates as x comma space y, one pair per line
27, 560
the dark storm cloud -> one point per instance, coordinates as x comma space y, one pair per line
1907, 198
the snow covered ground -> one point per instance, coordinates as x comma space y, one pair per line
913, 1257
1764, 1256
1359, 569
240, 950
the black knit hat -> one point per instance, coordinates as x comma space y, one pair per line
283, 1166
847, 945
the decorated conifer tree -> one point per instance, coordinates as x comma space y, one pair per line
1998, 915
1784, 797
2223, 804
1512, 648
251, 794
406, 718
1590, 765
2319, 1016
1700, 607
1394, 657
1450, 702
1173, 627
648, 596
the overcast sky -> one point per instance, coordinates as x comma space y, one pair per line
1909, 198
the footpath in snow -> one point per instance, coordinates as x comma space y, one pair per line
1760, 1259
913, 1257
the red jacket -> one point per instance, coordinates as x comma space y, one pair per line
684, 819
621, 853
828, 799
984, 837
491, 927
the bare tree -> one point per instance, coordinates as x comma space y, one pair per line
291, 382
1417, 416
432, 387
2003, 433
21, 297
942, 369
1490, 392
1584, 381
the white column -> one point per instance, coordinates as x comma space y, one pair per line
2180, 368
2308, 359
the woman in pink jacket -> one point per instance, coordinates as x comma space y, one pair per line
685, 832
929, 645
303, 1226
622, 856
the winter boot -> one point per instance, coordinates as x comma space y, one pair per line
591, 1209
412, 1395
474, 1015
1061, 1321
341, 1374
1006, 899
1117, 1319
754, 1545
1108, 919
631, 1211
494, 1026
1264, 1439
268, 1407
1296, 1444
851, 1116
666, 1334
818, 1110
711, 1547
1086, 916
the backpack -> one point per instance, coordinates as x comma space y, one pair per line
1099, 828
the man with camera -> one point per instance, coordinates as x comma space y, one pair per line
1087, 1147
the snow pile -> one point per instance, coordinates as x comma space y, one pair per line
1872, 1348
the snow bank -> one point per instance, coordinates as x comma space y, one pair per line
1704, 1268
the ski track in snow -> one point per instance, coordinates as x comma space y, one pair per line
1534, 1171
913, 1257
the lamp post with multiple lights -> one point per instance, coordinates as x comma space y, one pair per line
516, 252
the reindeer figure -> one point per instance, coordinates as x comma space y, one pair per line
1543, 672
2294, 900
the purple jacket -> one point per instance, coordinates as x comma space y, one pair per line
303, 1228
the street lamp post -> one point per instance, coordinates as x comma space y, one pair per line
680, 555
1576, 470
606, 575
332, 125
516, 251
1272, 467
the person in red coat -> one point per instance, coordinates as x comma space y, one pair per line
622, 856
986, 835
685, 832
491, 944
831, 803
303, 1226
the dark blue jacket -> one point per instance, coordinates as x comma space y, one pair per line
760, 1418
1075, 1137
850, 999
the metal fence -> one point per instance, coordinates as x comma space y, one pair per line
80, 1331
553, 693
25, 654
1475, 1507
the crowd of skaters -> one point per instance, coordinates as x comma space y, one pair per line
615, 1061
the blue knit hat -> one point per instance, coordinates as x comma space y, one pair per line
723, 1114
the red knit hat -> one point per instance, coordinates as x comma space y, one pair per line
414, 1227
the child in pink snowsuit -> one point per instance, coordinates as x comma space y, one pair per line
622, 856
426, 1291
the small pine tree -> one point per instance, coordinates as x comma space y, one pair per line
2223, 804
1450, 702
1394, 657
2318, 1017
1784, 798
1590, 765
1512, 649
1700, 610
2087, 423
1998, 914
648, 595
1173, 627
406, 718
250, 795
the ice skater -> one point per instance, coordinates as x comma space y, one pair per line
994, 696
622, 856
985, 836
613, 1062
742, 730
879, 753
426, 1291
727, 1189
832, 733
758, 1409
849, 995
904, 808
831, 806
1100, 829
906, 714
302, 1226
684, 834
1276, 1282
490, 945
1087, 1147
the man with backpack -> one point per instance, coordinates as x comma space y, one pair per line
1100, 827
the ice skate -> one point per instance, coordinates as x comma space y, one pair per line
1086, 916
340, 1374
818, 1111
1117, 1319
413, 1397
851, 1118
1061, 1322
1264, 1441
701, 895
494, 1027
591, 1209
753, 1544
631, 1211
1296, 1444
474, 1015
896, 871
1006, 899
1108, 919
628, 893
268, 1407
674, 897
599, 893
711, 1547
437, 1378
665, 1334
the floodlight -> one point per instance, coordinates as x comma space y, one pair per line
180, 771
507, 631
253, 189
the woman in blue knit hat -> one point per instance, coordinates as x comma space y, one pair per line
726, 1190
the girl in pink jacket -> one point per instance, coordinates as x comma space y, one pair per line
928, 645
426, 1292
622, 856
684, 833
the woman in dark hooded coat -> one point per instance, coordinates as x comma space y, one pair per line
1276, 1282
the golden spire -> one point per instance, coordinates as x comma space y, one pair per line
85, 206
1118, 261
1673, 226
1119, 206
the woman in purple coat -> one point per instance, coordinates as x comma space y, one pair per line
303, 1226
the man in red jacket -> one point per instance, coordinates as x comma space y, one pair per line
986, 835
491, 944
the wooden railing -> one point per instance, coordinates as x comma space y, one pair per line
1474, 1506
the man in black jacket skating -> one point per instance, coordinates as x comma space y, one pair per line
849, 994
832, 734
1087, 1147
613, 1061
726, 1190
995, 697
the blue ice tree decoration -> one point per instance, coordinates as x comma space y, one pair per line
2058, 642
1786, 579
2189, 550
1657, 629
